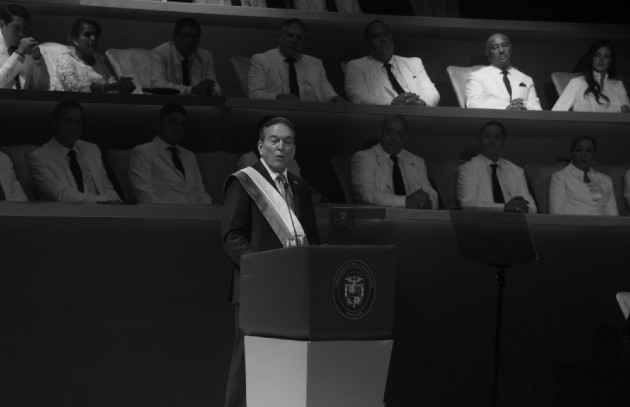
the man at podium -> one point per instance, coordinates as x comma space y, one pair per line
266, 208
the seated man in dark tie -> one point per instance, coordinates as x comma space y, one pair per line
21, 62
284, 73
10, 188
163, 172
67, 169
382, 78
488, 180
500, 85
388, 175
266, 207
180, 63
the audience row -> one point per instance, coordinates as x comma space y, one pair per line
286, 73
68, 169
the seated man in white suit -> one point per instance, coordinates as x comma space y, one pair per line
382, 78
161, 172
10, 188
489, 180
500, 85
284, 73
388, 175
67, 169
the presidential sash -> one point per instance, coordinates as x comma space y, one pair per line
273, 207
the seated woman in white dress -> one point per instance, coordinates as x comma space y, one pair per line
82, 69
596, 90
580, 190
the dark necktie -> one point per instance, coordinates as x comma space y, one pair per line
331, 5
294, 88
587, 180
285, 190
392, 79
506, 81
399, 185
3, 197
75, 168
18, 86
176, 160
497, 192
185, 72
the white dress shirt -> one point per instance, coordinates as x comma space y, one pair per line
33, 75
155, 179
367, 81
485, 89
166, 68
569, 194
474, 183
10, 185
371, 174
573, 98
269, 76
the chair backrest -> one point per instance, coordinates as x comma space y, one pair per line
118, 161
616, 172
241, 68
132, 62
561, 80
215, 167
538, 177
18, 155
459, 75
50, 51
341, 165
444, 177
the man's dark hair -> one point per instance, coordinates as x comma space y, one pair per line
186, 22
293, 21
583, 137
7, 12
66, 105
271, 122
391, 117
495, 123
172, 108
366, 30
75, 30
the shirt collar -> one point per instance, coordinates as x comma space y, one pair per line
597, 76
272, 173
297, 58
60, 147
489, 161
578, 173
161, 143
180, 56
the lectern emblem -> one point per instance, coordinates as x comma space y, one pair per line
354, 289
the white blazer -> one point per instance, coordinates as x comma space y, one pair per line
367, 81
155, 179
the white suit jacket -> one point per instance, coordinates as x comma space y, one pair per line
54, 181
155, 179
474, 183
10, 185
568, 194
371, 175
33, 74
367, 81
166, 68
485, 89
269, 76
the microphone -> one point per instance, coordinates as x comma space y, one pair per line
287, 191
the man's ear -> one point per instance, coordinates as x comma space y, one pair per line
260, 144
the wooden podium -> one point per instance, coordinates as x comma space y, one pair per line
318, 322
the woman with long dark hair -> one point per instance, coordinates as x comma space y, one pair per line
596, 90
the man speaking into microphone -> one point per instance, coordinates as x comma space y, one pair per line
266, 208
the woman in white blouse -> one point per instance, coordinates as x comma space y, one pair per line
82, 69
580, 190
596, 90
